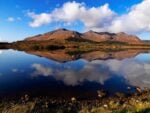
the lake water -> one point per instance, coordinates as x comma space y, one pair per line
61, 75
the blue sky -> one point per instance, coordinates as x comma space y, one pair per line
21, 18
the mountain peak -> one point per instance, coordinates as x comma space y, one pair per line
58, 34
121, 33
61, 29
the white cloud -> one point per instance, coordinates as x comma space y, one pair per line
136, 20
71, 12
39, 19
90, 17
101, 18
11, 19
68, 12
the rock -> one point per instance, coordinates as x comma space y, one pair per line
120, 95
46, 104
26, 97
138, 89
73, 99
101, 93
105, 105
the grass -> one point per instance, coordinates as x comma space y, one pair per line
18, 108
76, 43
136, 103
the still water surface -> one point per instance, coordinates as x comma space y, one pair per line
25, 73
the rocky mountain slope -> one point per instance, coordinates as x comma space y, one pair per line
64, 34
59, 34
105, 36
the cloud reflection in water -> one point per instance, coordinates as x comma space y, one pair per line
135, 73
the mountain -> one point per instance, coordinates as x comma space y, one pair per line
59, 34
105, 36
64, 34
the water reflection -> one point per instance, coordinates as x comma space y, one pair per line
135, 73
80, 75
63, 56
0, 52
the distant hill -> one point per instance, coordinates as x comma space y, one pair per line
64, 34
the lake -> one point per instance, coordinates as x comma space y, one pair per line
58, 74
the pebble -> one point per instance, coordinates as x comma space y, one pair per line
105, 105
139, 89
73, 99
101, 94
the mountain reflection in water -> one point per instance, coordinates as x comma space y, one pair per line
63, 56
58, 74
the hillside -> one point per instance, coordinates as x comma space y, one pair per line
59, 34
105, 36
64, 34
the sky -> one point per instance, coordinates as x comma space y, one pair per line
20, 19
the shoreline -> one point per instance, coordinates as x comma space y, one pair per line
139, 102
82, 46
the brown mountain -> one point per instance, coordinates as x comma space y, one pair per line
59, 34
105, 36
64, 34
